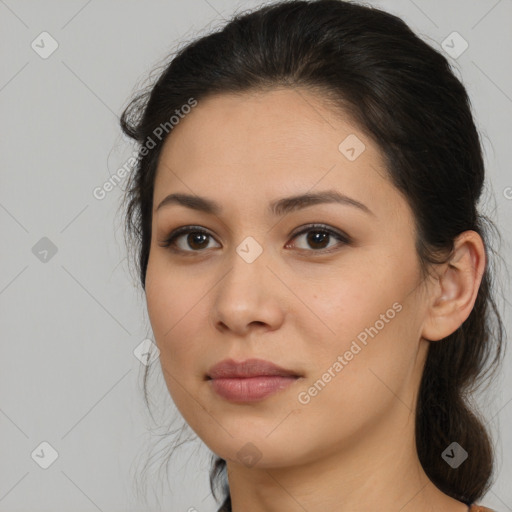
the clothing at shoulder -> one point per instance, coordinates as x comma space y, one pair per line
474, 508
480, 508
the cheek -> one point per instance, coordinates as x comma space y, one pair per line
174, 308
175, 311
362, 373
352, 302
372, 326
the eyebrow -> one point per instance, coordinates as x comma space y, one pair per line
278, 207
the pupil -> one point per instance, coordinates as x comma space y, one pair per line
193, 237
314, 239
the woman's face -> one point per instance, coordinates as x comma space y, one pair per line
343, 311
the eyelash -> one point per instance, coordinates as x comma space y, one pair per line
169, 242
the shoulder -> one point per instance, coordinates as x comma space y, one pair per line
480, 508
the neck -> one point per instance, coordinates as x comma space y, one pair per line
381, 473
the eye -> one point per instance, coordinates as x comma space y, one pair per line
319, 235
197, 239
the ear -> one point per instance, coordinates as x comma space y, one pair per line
454, 293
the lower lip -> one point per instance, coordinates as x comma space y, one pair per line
250, 389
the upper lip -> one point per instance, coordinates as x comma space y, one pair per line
228, 368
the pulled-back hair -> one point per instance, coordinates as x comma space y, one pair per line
402, 94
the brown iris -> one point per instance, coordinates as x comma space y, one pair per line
200, 238
317, 237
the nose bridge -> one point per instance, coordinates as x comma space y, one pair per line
245, 294
247, 270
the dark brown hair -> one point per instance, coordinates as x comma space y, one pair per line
403, 94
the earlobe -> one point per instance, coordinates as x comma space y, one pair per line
456, 289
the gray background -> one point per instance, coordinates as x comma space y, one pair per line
70, 321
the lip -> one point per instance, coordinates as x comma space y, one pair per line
229, 368
250, 380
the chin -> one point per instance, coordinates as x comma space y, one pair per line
259, 451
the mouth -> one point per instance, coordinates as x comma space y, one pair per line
249, 381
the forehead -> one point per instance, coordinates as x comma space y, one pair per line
268, 142
288, 123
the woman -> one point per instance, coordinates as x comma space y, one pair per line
316, 272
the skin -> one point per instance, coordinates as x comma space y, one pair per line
351, 448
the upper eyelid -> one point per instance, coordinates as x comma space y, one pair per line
300, 230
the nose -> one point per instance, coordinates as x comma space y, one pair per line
248, 297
